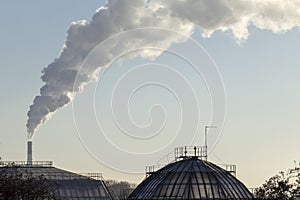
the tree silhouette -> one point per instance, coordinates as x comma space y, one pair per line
119, 190
24, 186
279, 187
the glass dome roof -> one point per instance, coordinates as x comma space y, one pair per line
70, 185
191, 178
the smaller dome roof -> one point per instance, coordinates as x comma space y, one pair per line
191, 178
69, 185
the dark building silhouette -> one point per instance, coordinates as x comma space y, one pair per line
69, 185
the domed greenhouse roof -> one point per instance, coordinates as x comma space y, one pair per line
191, 178
69, 185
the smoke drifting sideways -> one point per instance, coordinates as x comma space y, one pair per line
233, 16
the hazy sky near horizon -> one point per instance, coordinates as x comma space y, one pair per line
260, 75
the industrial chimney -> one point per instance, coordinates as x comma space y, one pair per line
29, 153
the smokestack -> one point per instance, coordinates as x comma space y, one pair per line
29, 152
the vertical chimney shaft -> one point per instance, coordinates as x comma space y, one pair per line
29, 152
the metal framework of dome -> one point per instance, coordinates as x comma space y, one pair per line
191, 178
69, 185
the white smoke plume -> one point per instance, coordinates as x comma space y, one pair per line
236, 15
233, 16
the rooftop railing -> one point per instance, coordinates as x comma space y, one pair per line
153, 168
71, 176
26, 163
96, 176
229, 167
186, 152
190, 151
49, 174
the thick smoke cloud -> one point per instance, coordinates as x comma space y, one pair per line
183, 16
236, 15
83, 36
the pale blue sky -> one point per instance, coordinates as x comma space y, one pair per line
261, 78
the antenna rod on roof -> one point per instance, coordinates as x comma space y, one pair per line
205, 137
